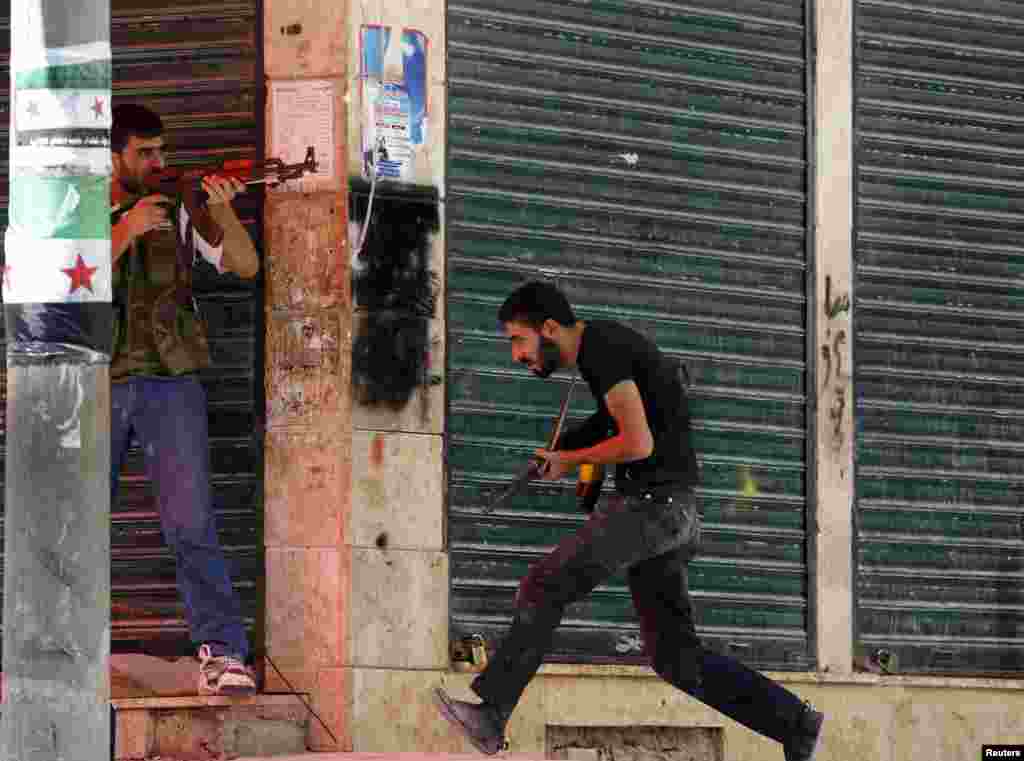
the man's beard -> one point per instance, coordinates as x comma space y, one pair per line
549, 358
136, 186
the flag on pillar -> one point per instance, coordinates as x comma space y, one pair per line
57, 265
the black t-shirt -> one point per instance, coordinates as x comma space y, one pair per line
611, 353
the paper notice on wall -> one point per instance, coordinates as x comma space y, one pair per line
303, 115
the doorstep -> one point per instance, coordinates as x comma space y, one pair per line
159, 714
200, 727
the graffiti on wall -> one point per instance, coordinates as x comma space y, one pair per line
835, 356
395, 294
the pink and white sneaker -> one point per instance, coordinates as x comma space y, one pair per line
224, 675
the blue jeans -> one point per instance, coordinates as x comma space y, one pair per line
653, 539
168, 417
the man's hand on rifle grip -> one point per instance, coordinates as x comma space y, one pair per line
148, 214
551, 466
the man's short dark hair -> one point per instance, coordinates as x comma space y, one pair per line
535, 302
131, 119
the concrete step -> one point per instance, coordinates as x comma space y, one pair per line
159, 715
209, 727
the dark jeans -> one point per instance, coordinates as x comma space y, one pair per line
168, 417
654, 540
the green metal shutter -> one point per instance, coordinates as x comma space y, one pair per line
196, 64
939, 355
650, 160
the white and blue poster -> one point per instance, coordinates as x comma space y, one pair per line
394, 100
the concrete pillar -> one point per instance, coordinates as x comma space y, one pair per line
57, 323
833, 266
399, 613
308, 331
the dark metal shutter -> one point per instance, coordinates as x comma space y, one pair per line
649, 159
196, 64
939, 352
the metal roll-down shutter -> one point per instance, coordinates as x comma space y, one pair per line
651, 161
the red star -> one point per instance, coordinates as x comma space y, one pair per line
97, 107
5, 274
81, 276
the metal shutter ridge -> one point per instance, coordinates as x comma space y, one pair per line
939, 355
650, 159
196, 64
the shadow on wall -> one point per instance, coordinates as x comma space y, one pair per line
394, 291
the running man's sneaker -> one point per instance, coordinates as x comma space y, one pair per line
805, 740
479, 722
224, 675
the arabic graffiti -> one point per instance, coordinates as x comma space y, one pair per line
833, 350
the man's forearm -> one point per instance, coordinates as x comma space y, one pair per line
121, 237
613, 451
240, 254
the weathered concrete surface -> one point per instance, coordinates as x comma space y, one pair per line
134, 675
135, 735
201, 727
308, 381
832, 543
307, 477
310, 269
205, 732
399, 609
307, 620
56, 565
643, 743
397, 494
876, 718
392, 712
304, 38
308, 448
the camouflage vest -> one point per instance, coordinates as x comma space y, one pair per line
157, 326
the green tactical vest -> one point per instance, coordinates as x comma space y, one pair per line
158, 330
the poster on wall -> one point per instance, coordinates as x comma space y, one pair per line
303, 115
394, 100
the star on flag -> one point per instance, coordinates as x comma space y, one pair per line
32, 108
97, 108
5, 275
80, 274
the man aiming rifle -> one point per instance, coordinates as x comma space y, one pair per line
160, 344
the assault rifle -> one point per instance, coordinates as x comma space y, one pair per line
271, 172
535, 467
185, 186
